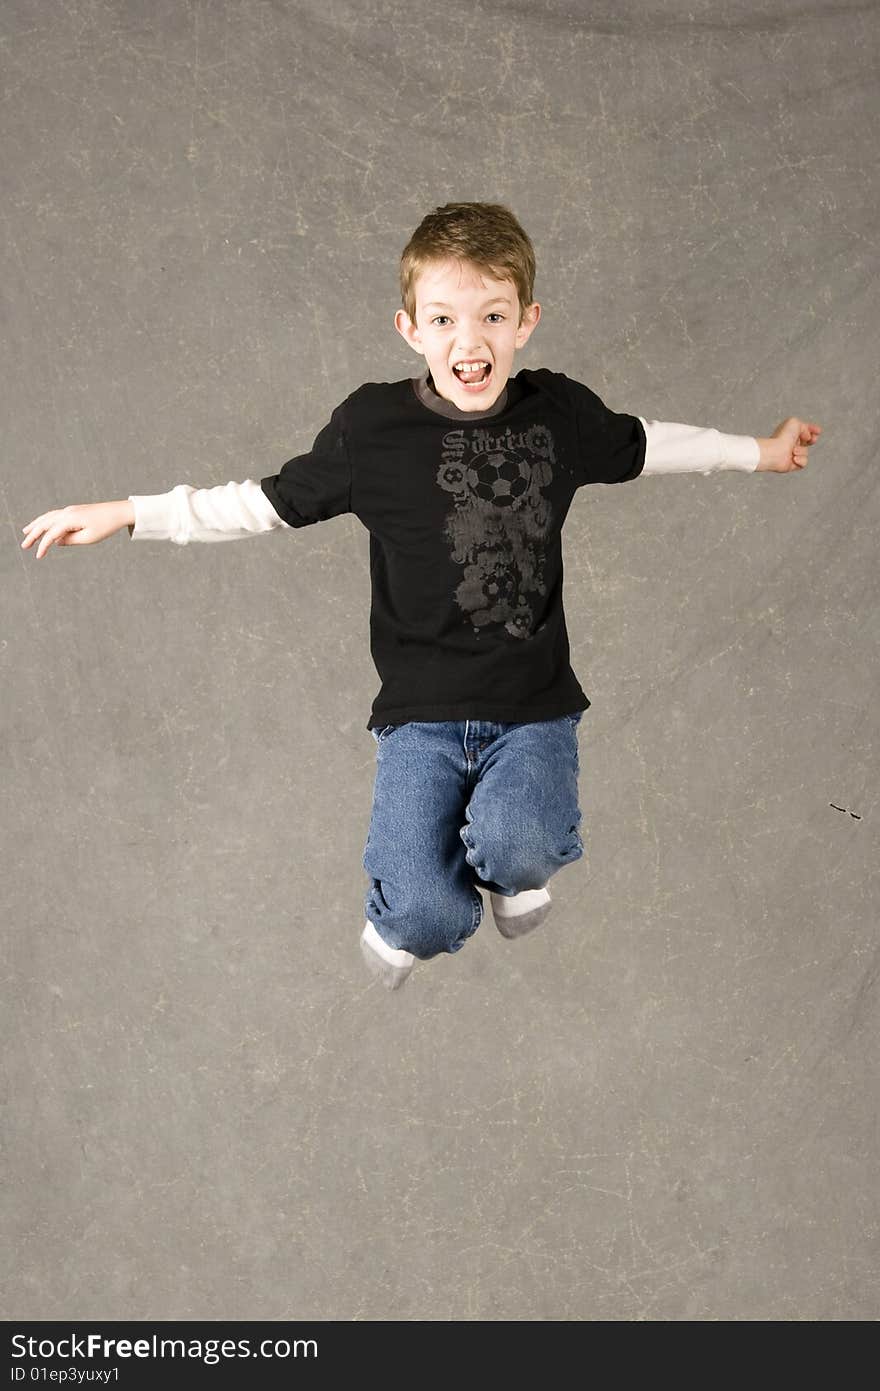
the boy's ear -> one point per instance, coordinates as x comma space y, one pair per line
407, 329
529, 323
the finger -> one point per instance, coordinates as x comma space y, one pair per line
36, 528
34, 536
51, 536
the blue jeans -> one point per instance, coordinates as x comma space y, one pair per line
462, 805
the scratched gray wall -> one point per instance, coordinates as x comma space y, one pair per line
663, 1106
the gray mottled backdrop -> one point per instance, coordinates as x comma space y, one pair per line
661, 1107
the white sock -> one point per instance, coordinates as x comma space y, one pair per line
393, 955
510, 906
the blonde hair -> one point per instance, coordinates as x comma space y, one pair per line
485, 234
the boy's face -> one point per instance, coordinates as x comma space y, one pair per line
463, 315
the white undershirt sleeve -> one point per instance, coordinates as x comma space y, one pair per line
677, 448
225, 513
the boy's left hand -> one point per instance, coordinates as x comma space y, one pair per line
787, 447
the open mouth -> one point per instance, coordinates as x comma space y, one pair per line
473, 375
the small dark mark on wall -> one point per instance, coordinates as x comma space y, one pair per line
852, 813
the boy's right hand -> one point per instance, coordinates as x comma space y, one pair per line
80, 525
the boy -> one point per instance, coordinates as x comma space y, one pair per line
463, 477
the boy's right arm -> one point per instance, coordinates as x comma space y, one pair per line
308, 488
181, 515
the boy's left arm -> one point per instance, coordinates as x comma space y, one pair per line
676, 448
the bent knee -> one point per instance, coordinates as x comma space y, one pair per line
426, 925
520, 861
433, 928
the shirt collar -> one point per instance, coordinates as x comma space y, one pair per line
430, 397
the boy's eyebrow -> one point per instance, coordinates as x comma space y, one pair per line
499, 299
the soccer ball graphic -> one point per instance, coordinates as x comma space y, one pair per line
500, 479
